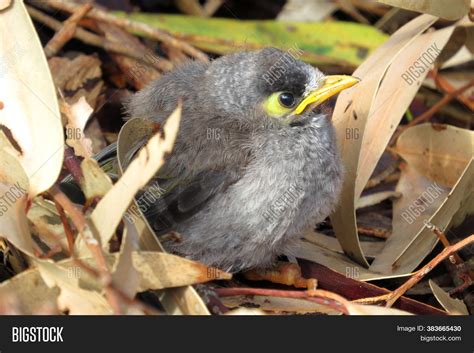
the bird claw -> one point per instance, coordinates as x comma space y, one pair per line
284, 273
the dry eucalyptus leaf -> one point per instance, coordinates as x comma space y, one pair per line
376, 198
421, 197
439, 157
109, 211
246, 312
371, 248
46, 223
451, 305
394, 95
13, 222
351, 113
124, 274
30, 109
73, 298
278, 304
359, 309
440, 8
304, 10
4, 4
96, 183
78, 77
440, 152
30, 291
77, 115
177, 301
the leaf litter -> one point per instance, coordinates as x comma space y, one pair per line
86, 256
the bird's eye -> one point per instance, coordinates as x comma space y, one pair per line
279, 104
287, 99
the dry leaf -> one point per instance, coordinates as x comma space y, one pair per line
46, 223
393, 98
278, 304
426, 148
13, 222
452, 11
77, 115
109, 211
350, 117
96, 183
4, 4
359, 309
440, 152
72, 298
30, 291
451, 305
124, 274
30, 108
304, 10
184, 300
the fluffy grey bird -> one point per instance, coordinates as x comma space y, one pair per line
255, 159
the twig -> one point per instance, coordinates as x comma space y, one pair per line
383, 176
393, 296
83, 228
112, 294
129, 25
374, 232
98, 41
319, 296
67, 31
429, 113
462, 276
67, 228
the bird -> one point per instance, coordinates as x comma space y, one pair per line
255, 159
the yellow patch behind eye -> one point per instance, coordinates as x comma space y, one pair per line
273, 107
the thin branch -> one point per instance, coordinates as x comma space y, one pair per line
98, 41
130, 26
393, 296
429, 113
67, 31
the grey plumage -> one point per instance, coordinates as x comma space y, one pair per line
241, 185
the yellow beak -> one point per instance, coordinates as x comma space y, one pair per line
332, 85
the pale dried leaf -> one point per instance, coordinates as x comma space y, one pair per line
440, 152
350, 115
46, 223
4, 4
451, 305
278, 304
13, 222
109, 211
417, 245
304, 10
452, 11
96, 183
393, 99
30, 290
77, 115
359, 309
72, 297
30, 105
376, 198
124, 274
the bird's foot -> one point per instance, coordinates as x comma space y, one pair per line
286, 273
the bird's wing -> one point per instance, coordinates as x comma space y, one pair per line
182, 196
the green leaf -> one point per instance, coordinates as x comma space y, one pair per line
344, 44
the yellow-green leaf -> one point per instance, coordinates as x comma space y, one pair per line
326, 43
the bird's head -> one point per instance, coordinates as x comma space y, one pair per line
269, 84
